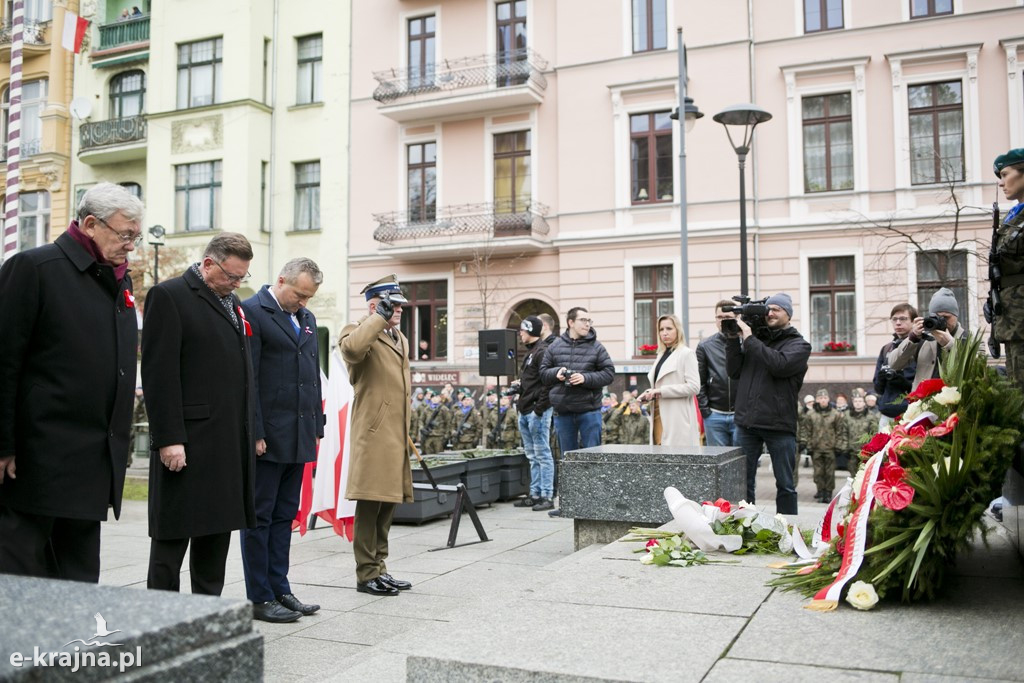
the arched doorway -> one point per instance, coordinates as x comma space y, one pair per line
526, 308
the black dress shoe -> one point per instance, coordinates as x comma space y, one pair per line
527, 502
544, 504
397, 584
376, 587
294, 604
274, 612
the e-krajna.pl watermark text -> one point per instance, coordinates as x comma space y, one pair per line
77, 659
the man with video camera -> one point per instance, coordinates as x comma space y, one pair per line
769, 359
939, 330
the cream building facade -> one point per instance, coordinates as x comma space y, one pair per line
44, 197
517, 156
228, 116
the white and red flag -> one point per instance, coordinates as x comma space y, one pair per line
324, 495
74, 32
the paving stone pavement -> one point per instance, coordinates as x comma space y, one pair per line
524, 607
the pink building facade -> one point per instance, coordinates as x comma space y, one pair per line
516, 157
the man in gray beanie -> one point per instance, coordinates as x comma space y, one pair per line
923, 344
770, 368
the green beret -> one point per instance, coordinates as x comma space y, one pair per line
1011, 158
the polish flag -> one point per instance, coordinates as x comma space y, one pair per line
324, 496
74, 32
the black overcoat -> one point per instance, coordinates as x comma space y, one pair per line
197, 381
68, 339
286, 365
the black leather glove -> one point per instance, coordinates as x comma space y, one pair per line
386, 309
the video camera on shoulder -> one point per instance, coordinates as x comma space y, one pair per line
753, 314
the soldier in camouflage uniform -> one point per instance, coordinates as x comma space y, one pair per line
1008, 320
611, 420
824, 432
503, 430
434, 430
467, 425
860, 423
633, 427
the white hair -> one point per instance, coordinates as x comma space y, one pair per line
106, 199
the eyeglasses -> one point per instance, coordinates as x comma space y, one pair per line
125, 237
585, 321
900, 319
776, 309
233, 278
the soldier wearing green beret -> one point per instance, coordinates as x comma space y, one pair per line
1008, 313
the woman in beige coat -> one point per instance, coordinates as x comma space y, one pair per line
674, 384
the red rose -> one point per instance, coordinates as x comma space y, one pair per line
876, 444
651, 543
925, 389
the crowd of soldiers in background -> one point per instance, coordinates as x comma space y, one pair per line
453, 419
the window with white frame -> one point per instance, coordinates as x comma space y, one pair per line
127, 94
200, 65
650, 30
33, 101
652, 298
937, 269
650, 141
310, 69
929, 8
828, 142
197, 196
33, 219
833, 301
307, 196
822, 15
936, 132
35, 10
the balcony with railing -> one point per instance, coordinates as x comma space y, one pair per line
504, 228
34, 34
103, 142
124, 36
480, 84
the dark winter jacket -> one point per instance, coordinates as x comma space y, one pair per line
891, 401
587, 356
717, 389
533, 393
770, 373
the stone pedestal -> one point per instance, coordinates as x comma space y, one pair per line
1013, 508
608, 489
128, 633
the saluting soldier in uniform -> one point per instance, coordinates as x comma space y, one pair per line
1008, 318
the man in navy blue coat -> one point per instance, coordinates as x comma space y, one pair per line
289, 423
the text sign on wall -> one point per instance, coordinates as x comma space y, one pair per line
428, 378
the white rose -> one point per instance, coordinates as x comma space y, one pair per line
948, 396
913, 411
862, 595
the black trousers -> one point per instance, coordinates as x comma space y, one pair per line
206, 563
49, 547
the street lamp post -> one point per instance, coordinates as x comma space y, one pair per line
748, 116
690, 114
156, 238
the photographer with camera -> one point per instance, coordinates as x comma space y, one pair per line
770, 363
892, 385
939, 330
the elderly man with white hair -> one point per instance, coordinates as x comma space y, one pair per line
67, 385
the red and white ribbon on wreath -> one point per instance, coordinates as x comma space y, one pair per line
827, 598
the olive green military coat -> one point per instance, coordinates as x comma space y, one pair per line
379, 371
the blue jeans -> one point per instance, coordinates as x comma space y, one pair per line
536, 432
578, 430
782, 449
720, 430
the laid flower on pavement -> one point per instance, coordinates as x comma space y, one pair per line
862, 595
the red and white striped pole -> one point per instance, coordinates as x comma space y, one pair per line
10, 242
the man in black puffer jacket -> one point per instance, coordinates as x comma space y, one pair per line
535, 416
577, 367
770, 372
